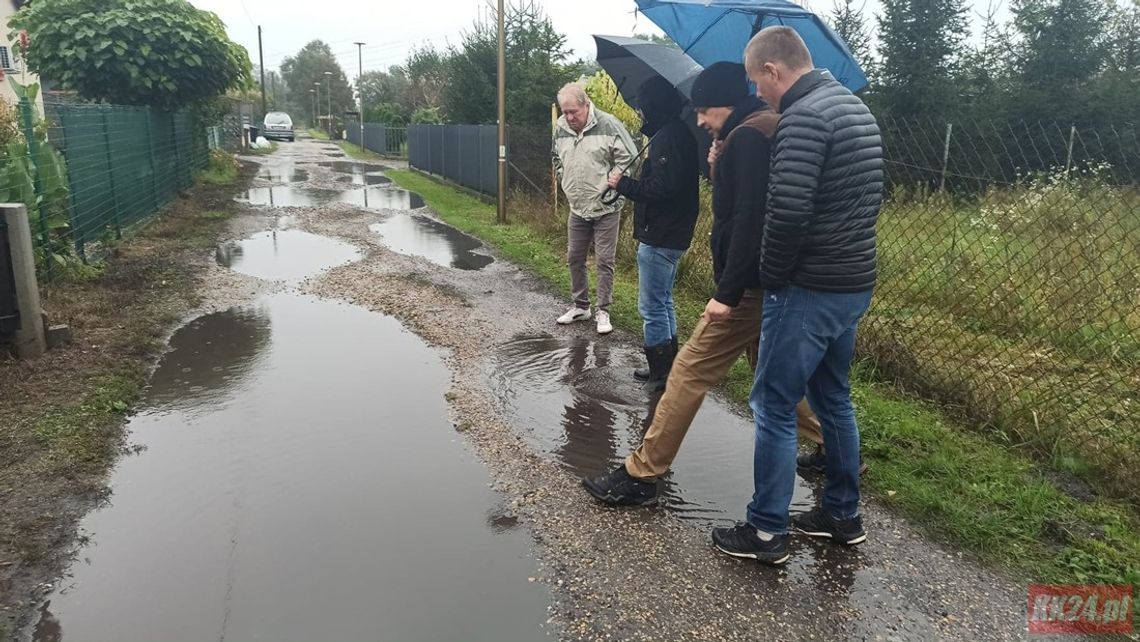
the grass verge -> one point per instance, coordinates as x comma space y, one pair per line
962, 489
318, 134
357, 152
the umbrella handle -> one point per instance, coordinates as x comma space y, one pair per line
610, 196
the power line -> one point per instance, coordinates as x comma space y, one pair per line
247, 14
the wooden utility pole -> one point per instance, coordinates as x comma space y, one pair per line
359, 93
502, 217
261, 63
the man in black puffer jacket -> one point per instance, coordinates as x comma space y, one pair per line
665, 212
817, 268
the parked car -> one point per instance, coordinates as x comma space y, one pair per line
278, 126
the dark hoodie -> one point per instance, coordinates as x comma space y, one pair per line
740, 192
665, 195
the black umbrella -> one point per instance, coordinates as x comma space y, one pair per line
632, 61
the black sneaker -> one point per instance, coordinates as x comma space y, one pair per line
817, 523
816, 463
619, 488
742, 541
813, 463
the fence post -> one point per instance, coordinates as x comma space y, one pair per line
29, 340
150, 149
103, 109
945, 157
1069, 157
28, 120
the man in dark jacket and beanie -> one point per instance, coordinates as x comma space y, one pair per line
665, 210
742, 127
817, 268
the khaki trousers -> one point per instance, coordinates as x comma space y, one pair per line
701, 363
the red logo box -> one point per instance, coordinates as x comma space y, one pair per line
1079, 608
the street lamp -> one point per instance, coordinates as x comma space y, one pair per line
328, 90
317, 107
313, 100
359, 94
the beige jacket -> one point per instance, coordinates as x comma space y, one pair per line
584, 161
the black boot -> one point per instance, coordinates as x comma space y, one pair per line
642, 374
660, 358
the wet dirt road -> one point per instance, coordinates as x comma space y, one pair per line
305, 477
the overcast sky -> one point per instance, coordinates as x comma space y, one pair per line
390, 29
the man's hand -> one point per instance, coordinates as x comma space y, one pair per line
714, 151
716, 311
614, 179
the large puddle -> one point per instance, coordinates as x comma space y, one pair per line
433, 240
285, 255
369, 197
352, 167
576, 399
299, 481
283, 172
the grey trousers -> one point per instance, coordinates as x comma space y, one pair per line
603, 232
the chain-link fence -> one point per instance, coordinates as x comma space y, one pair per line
87, 172
1009, 287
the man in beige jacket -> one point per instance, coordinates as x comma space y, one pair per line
588, 145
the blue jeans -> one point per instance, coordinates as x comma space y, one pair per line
656, 271
807, 341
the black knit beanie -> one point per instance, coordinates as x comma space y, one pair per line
723, 84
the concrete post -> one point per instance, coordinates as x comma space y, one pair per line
29, 340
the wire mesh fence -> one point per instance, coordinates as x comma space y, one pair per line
1009, 287
382, 139
88, 172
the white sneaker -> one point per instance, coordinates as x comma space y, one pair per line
572, 315
604, 326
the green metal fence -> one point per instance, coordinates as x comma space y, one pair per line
123, 164
88, 172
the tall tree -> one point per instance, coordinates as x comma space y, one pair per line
847, 20
307, 67
536, 68
390, 87
427, 72
985, 68
1061, 48
921, 45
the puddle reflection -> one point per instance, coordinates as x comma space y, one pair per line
436, 241
578, 401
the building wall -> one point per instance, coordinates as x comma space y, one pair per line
7, 9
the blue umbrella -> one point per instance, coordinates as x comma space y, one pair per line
715, 30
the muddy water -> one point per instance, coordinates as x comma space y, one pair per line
438, 242
577, 400
350, 167
299, 481
285, 255
283, 173
370, 197
365, 179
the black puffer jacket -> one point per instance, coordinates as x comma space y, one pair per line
665, 196
824, 192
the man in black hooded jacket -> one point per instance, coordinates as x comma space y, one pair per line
665, 211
